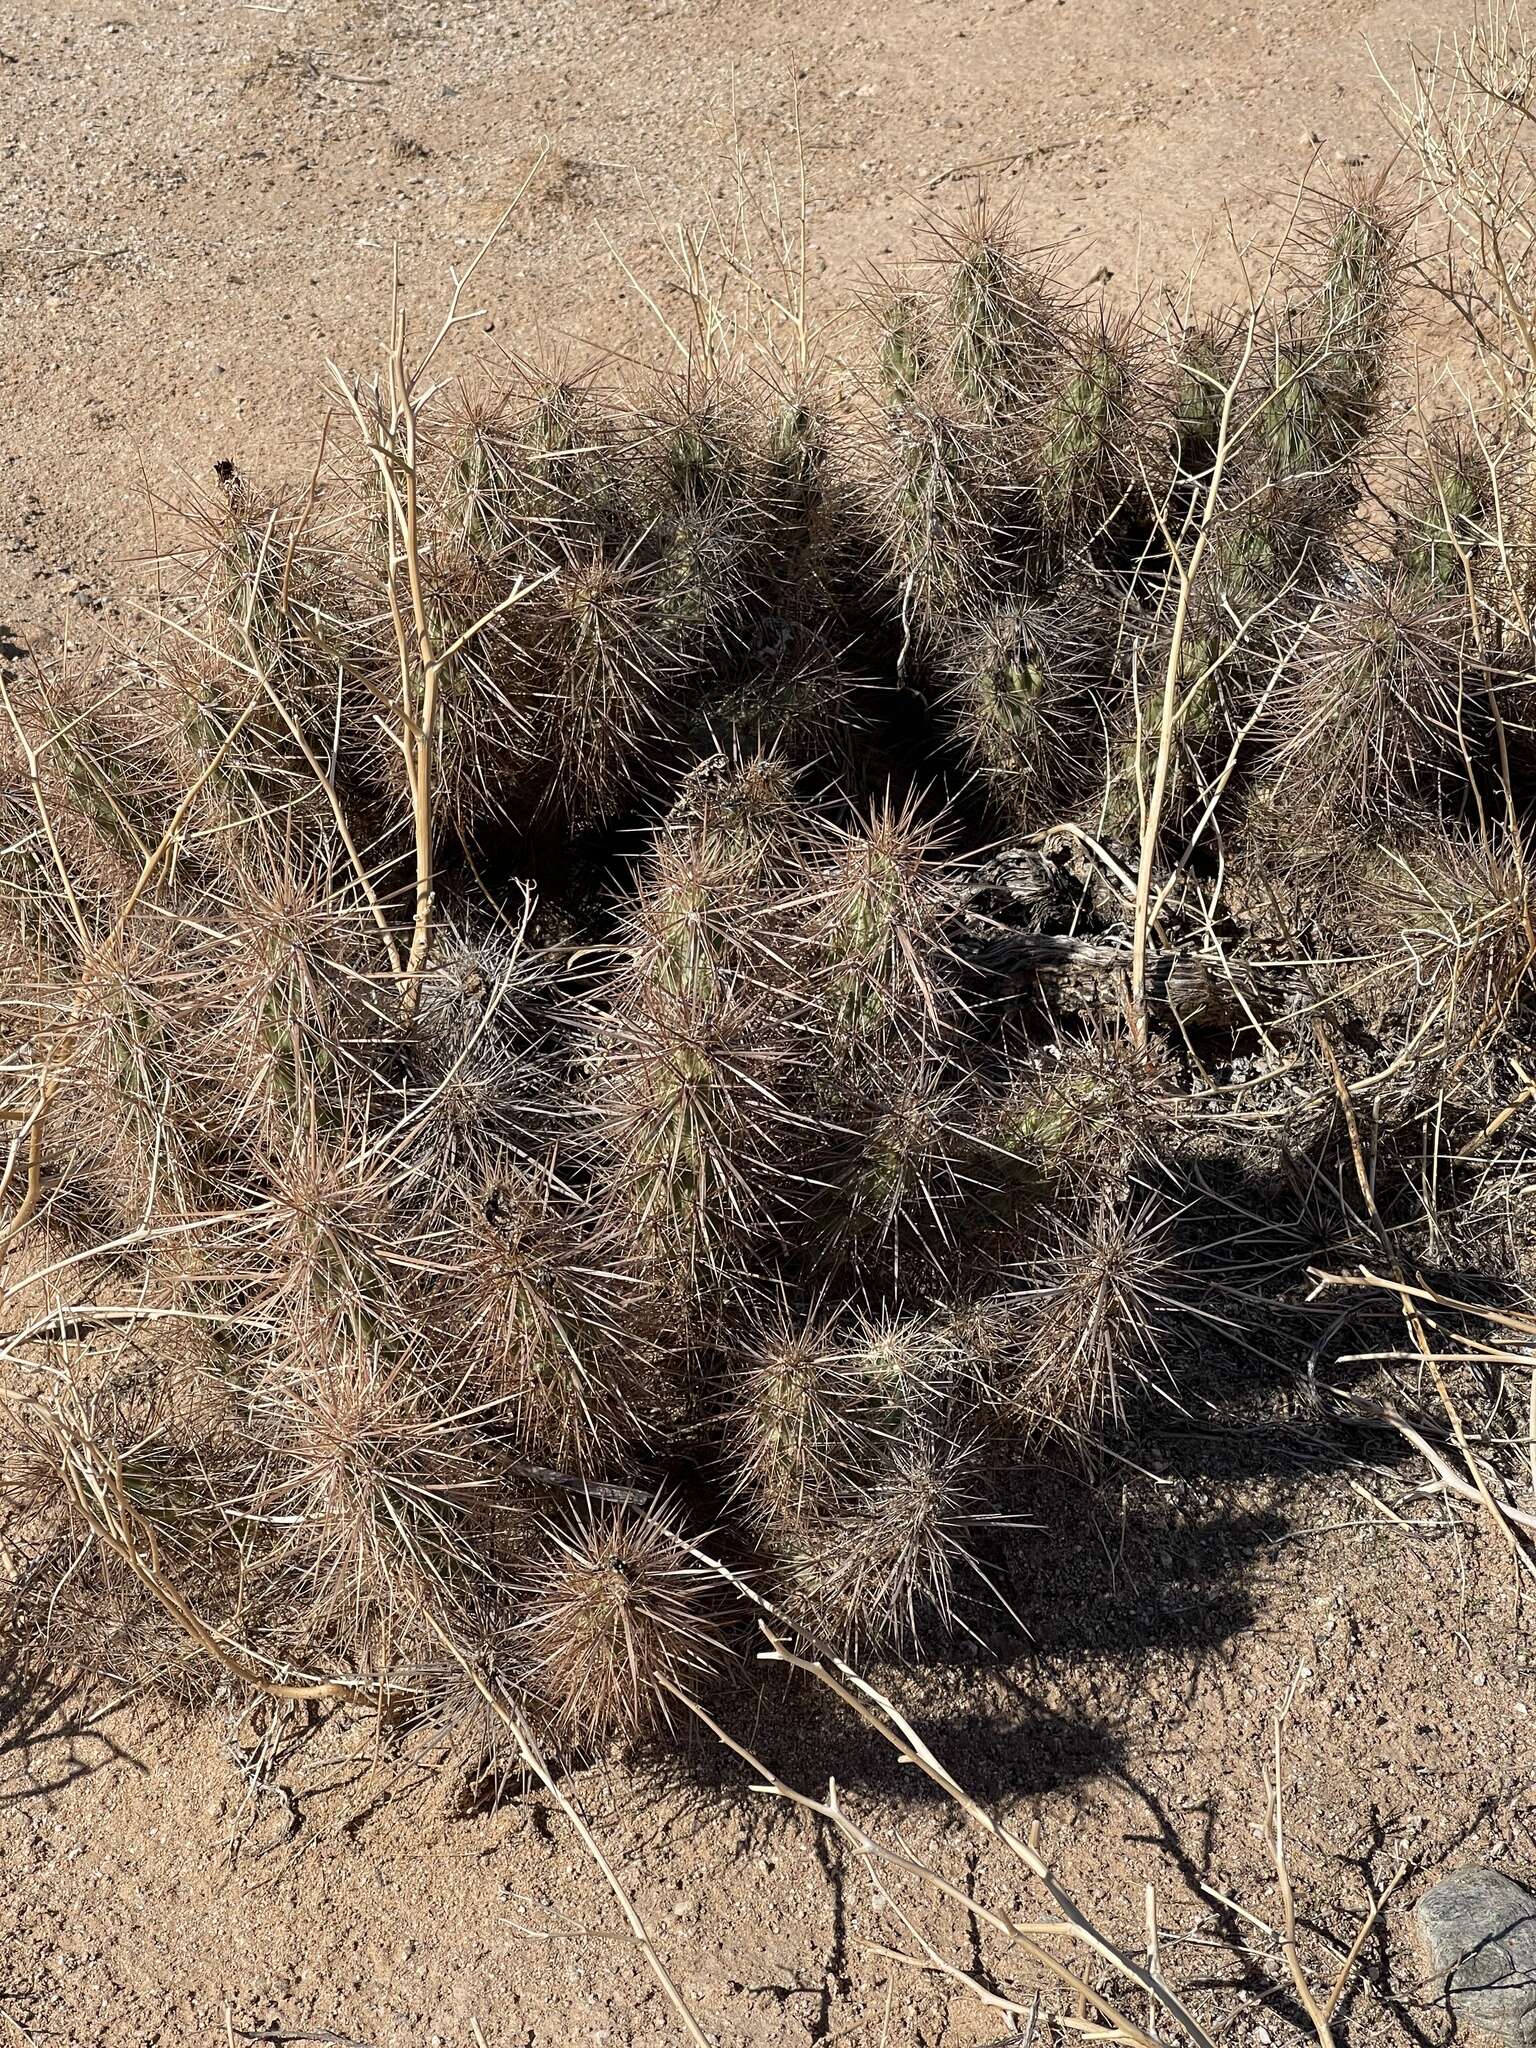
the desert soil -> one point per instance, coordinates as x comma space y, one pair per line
201, 201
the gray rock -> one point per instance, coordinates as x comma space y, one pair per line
1479, 1930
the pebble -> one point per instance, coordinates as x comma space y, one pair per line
1479, 1932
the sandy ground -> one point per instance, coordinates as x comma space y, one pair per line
201, 200
158, 1889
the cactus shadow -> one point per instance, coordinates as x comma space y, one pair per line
1005, 1744
1092, 1577
50, 1736
1157, 1550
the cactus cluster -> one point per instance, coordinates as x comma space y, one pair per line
574, 1015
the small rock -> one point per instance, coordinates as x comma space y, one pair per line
1479, 1931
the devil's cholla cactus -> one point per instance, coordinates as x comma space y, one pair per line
535, 1054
